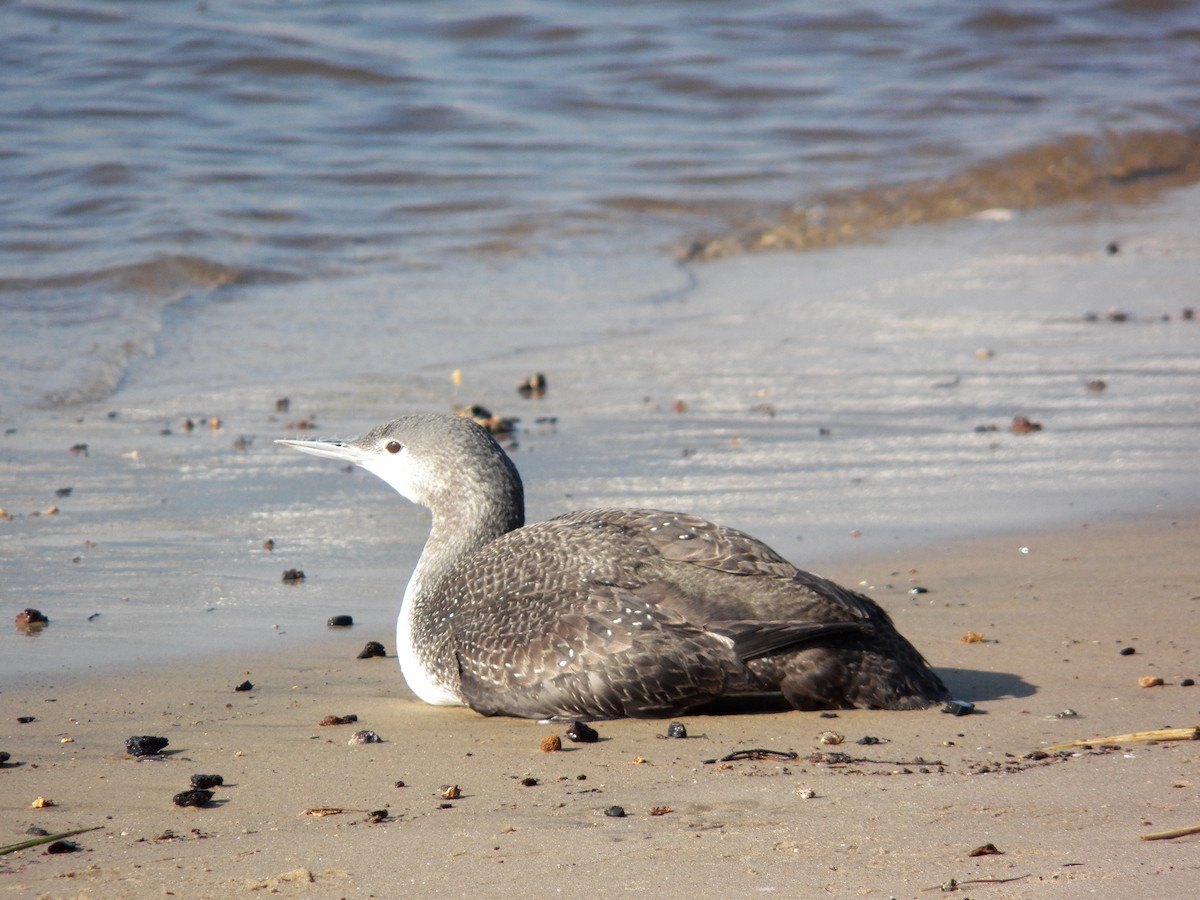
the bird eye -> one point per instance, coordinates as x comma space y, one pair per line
394, 446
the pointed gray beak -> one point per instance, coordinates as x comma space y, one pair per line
342, 451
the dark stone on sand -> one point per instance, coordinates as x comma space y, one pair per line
959, 708
1127, 651
63, 492
371, 650
204, 782
63, 847
918, 590
615, 812
36, 832
244, 686
145, 745
1186, 682
340, 621
31, 616
529, 781
293, 576
25, 720
192, 798
5, 756
676, 730
867, 740
582, 733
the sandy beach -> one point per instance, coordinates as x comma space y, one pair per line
898, 817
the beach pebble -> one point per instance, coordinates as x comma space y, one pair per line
806, 793
244, 686
1127, 651
1022, 425
192, 798
451, 792
830, 737
339, 720
5, 756
145, 745
867, 740
63, 847
959, 708
529, 781
615, 812
340, 621
292, 576
204, 782
365, 737
34, 831
42, 803
24, 720
676, 730
551, 743
1148, 681
31, 618
371, 650
533, 386
582, 733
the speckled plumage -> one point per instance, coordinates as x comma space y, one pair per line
612, 612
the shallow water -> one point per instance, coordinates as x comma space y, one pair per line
208, 208
161, 156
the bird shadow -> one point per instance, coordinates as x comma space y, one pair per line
977, 685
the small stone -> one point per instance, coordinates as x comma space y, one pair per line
867, 740
676, 730
918, 590
42, 803
63, 847
244, 686
1022, 425
5, 756
204, 782
145, 745
972, 637
807, 793
1148, 681
340, 621
551, 743
36, 832
371, 650
1127, 651
986, 850
529, 781
959, 708
28, 619
582, 733
365, 737
195, 798
452, 792
292, 576
1185, 682
830, 737
339, 720
615, 812
24, 720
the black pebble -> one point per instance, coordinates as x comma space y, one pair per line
63, 492
145, 745
918, 590
1186, 682
192, 798
959, 708
5, 756
36, 832
676, 730
582, 733
615, 812
203, 782
63, 847
1127, 651
867, 740
24, 720
529, 781
340, 621
244, 686
292, 576
373, 649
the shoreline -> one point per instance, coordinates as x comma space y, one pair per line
1053, 622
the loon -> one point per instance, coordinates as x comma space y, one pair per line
611, 613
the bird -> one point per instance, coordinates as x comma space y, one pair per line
611, 613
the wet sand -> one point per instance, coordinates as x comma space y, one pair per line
894, 818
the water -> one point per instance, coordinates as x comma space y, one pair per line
209, 206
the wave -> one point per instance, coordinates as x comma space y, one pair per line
1113, 168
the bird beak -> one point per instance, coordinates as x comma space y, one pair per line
342, 451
